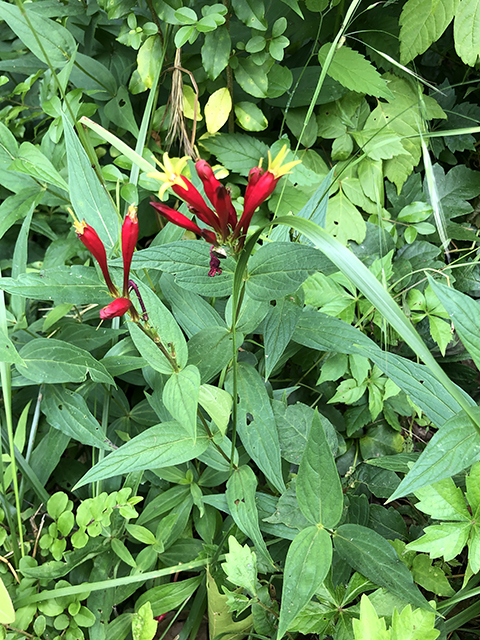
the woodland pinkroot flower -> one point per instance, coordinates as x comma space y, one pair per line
223, 217
89, 237
116, 308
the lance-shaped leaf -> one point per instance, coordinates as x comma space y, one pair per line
180, 396
319, 491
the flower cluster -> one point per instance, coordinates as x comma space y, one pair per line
91, 240
220, 215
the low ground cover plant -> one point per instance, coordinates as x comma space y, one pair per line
238, 321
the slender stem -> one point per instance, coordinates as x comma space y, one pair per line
236, 305
31, 437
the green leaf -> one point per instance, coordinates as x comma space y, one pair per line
220, 621
444, 540
431, 577
168, 597
353, 71
278, 330
372, 556
8, 352
422, 22
160, 446
410, 625
344, 220
251, 13
453, 448
443, 501
180, 397
74, 285
211, 350
90, 200
240, 496
319, 491
252, 78
147, 60
241, 566
250, 117
466, 31
165, 326
144, 625
90, 74
465, 313
51, 42
31, 161
68, 412
7, 612
54, 361
217, 403
378, 144
279, 268
369, 625
307, 563
216, 51
237, 152
188, 261
142, 534
122, 552
473, 487
16, 207
258, 431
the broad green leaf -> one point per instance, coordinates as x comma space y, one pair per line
54, 361
258, 430
344, 221
163, 445
250, 117
8, 352
120, 550
241, 566
50, 42
217, 403
237, 152
240, 496
431, 577
278, 330
251, 314
453, 448
75, 285
147, 60
443, 540
443, 501
252, 78
369, 625
372, 556
90, 201
378, 144
422, 23
216, 51
279, 268
353, 71
167, 597
211, 350
180, 397
319, 491
7, 612
191, 311
217, 109
142, 534
188, 261
473, 487
31, 161
166, 328
466, 31
91, 75
251, 13
17, 206
144, 625
68, 412
307, 563
465, 314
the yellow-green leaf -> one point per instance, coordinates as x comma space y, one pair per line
189, 104
218, 109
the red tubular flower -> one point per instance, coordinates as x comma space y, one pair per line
182, 221
91, 240
218, 196
129, 240
116, 308
197, 204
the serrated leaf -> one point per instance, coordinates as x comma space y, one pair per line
445, 540
344, 220
241, 566
430, 577
422, 23
319, 491
307, 563
369, 625
410, 625
237, 152
353, 71
217, 109
443, 501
